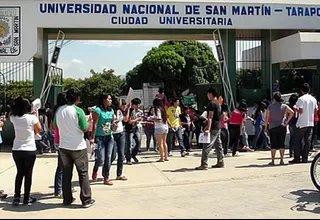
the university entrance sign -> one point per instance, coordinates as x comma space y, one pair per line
37, 15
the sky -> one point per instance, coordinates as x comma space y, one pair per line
77, 58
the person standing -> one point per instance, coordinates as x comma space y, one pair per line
24, 149
225, 135
160, 128
72, 123
292, 123
103, 117
277, 119
119, 137
174, 123
187, 124
149, 131
212, 129
132, 131
306, 108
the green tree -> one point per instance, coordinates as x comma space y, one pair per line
249, 79
98, 83
179, 64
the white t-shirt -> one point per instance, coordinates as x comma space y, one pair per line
308, 104
119, 118
24, 132
158, 124
71, 120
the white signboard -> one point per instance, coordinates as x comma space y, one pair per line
9, 31
150, 15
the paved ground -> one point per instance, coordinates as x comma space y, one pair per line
246, 188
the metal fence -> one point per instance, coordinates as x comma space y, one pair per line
15, 80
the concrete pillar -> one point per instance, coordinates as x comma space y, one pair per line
39, 68
229, 42
266, 59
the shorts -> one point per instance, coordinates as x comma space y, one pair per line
277, 137
161, 130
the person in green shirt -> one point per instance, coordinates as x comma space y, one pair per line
103, 117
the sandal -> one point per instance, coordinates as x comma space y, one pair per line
271, 164
121, 178
166, 160
281, 163
160, 160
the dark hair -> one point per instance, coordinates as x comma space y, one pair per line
61, 100
102, 98
72, 95
158, 105
20, 107
116, 103
150, 109
212, 91
136, 101
224, 107
293, 99
277, 97
175, 99
305, 88
185, 108
242, 106
161, 90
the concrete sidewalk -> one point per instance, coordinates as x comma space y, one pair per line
246, 188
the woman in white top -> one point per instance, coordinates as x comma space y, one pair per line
25, 125
160, 128
119, 136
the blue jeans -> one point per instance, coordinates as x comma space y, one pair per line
244, 138
58, 176
132, 151
259, 132
119, 141
149, 135
170, 141
104, 150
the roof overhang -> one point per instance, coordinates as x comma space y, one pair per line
300, 46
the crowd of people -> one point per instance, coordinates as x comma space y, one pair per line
113, 129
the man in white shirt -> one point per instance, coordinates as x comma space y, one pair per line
71, 122
306, 108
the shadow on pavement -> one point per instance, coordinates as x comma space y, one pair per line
6, 204
181, 170
307, 200
260, 165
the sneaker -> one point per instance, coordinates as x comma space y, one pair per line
74, 190
294, 161
58, 195
135, 159
29, 201
129, 163
107, 182
170, 154
183, 154
89, 204
3, 195
201, 168
16, 201
94, 176
219, 165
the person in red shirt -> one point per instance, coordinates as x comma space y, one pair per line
235, 126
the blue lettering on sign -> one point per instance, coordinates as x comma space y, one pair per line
216, 10
129, 20
71, 8
195, 21
251, 10
303, 11
149, 9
